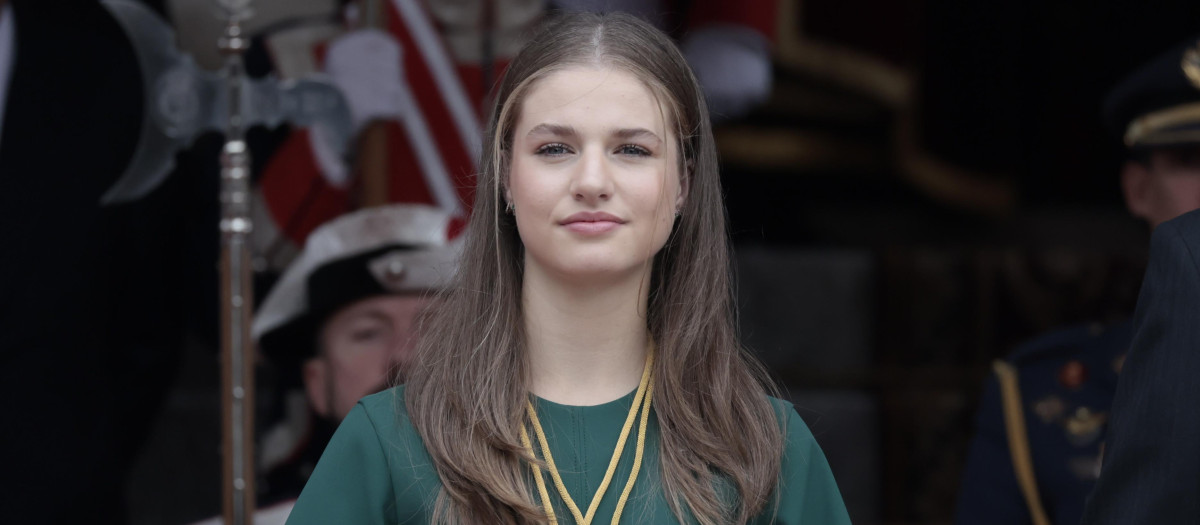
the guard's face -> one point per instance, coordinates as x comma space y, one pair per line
362, 347
594, 175
1166, 187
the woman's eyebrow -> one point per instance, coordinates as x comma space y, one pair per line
633, 133
557, 130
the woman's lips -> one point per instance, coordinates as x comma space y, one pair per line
592, 223
591, 228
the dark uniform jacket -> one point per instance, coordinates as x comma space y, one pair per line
1061, 386
1151, 471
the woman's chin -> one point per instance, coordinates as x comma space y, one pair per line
594, 271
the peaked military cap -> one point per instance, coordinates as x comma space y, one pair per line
401, 248
1159, 104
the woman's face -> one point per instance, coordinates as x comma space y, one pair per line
594, 175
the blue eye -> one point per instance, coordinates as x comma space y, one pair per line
633, 149
553, 150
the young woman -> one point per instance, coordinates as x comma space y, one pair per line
585, 366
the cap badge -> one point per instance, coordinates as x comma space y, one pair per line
390, 270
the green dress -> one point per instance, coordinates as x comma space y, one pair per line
376, 471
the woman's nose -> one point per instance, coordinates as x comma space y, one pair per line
593, 178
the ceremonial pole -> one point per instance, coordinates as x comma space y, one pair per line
237, 352
372, 161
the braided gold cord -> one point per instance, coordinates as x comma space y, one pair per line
637, 457
537, 476
641, 400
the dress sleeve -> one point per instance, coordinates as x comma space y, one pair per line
351, 483
807, 491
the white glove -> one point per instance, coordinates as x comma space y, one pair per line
366, 66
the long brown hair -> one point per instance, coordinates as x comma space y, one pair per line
469, 383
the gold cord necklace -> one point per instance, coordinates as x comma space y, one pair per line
641, 399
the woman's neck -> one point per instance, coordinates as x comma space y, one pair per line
587, 344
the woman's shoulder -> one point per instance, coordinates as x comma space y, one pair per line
807, 486
383, 417
388, 404
796, 431
386, 415
374, 470
800, 445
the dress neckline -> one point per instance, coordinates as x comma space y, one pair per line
621, 403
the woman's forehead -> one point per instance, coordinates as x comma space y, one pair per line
591, 99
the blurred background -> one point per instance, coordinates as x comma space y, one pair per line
915, 187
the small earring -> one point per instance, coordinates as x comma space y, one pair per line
510, 208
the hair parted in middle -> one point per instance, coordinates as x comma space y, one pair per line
469, 383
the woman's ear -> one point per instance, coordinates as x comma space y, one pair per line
685, 180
